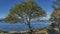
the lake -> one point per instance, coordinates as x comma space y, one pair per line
21, 26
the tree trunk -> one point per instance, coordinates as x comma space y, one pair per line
30, 28
29, 25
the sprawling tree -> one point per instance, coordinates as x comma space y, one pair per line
25, 12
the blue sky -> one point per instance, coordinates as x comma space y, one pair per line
6, 5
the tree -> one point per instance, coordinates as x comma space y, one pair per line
25, 12
55, 16
56, 12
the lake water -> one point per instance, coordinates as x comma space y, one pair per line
20, 26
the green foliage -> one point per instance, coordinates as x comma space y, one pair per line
23, 11
55, 16
56, 13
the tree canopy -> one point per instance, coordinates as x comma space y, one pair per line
25, 11
56, 12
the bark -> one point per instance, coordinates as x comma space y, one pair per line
30, 28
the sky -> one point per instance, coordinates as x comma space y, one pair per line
6, 5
